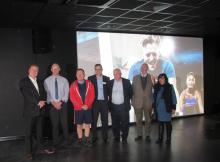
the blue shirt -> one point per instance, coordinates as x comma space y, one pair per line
163, 66
63, 88
100, 88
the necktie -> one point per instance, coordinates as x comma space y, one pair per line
56, 89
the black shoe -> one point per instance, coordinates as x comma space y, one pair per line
138, 138
94, 140
159, 141
28, 157
147, 139
88, 143
105, 141
116, 140
78, 143
168, 141
124, 141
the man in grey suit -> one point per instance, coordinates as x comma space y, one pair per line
142, 99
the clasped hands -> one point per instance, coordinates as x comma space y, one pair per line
57, 104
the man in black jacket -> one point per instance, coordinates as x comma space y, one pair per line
34, 103
100, 105
120, 93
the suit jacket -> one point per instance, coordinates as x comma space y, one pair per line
31, 97
142, 97
105, 86
127, 88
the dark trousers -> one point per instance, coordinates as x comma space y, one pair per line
33, 134
59, 117
100, 107
120, 121
168, 130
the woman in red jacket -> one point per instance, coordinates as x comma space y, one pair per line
82, 95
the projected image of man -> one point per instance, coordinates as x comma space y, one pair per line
151, 56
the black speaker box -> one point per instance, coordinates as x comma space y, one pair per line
41, 41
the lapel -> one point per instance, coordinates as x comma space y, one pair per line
123, 85
33, 87
95, 82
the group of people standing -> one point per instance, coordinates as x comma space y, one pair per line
97, 95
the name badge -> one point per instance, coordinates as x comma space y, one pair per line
103, 82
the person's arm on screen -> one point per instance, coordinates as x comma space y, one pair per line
199, 98
181, 101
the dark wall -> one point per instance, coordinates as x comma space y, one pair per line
211, 73
15, 56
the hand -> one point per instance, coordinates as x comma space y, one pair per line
85, 107
56, 104
41, 104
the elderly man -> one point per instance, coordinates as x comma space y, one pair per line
142, 100
120, 93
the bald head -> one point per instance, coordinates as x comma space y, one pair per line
55, 69
117, 74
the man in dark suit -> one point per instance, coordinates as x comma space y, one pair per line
34, 102
100, 105
120, 93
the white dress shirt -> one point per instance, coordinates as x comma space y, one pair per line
34, 81
117, 92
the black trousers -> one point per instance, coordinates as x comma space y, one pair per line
59, 117
120, 121
100, 107
33, 134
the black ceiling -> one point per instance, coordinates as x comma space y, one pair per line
170, 17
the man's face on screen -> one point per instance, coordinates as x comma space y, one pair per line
190, 81
151, 55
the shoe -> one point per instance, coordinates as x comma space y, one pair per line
138, 138
78, 143
28, 157
49, 151
124, 141
88, 143
159, 141
105, 141
94, 140
147, 139
168, 142
116, 140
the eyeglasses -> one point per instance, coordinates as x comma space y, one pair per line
98, 69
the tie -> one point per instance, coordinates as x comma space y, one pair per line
56, 89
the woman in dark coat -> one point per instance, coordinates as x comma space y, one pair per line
164, 106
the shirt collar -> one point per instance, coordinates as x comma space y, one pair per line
143, 75
34, 80
99, 77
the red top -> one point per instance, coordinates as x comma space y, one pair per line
76, 98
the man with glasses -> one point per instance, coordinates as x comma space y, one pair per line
100, 105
